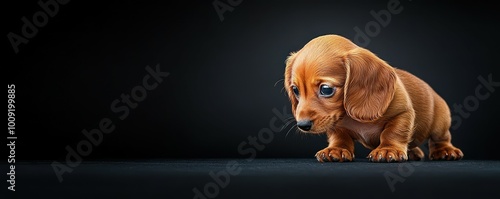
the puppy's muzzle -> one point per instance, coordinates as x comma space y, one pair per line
304, 125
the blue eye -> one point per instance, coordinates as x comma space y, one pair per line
326, 91
295, 91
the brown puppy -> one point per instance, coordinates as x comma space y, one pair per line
348, 92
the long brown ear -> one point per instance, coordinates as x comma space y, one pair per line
288, 81
369, 86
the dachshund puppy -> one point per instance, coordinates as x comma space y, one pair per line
343, 90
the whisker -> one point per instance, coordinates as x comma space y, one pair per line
278, 82
287, 123
291, 129
282, 89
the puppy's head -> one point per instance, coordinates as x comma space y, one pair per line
331, 77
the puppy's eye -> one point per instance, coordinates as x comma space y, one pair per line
295, 91
326, 91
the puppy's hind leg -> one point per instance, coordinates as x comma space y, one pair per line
415, 154
440, 147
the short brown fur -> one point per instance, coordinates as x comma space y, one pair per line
387, 110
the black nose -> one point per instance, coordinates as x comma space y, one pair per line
305, 125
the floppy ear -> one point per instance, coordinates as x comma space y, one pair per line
369, 86
288, 81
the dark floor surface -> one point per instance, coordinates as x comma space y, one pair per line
260, 178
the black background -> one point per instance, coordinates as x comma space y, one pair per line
221, 88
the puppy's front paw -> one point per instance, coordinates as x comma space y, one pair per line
446, 153
387, 154
334, 154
